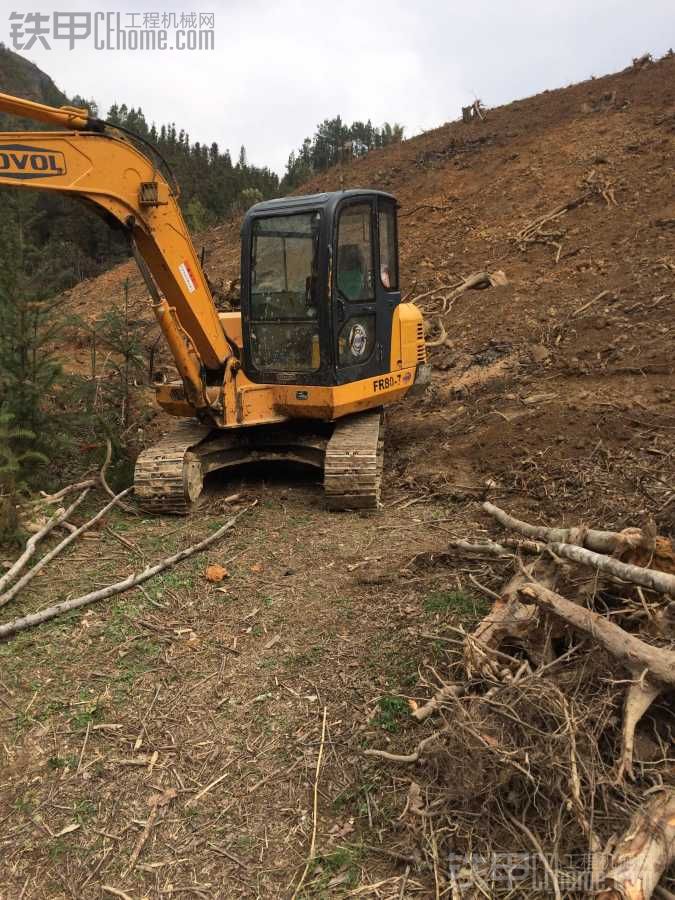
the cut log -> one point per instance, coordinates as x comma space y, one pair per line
644, 853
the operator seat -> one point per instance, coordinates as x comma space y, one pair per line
351, 271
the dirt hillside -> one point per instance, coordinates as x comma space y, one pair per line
552, 396
551, 379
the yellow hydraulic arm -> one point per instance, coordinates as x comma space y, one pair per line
94, 162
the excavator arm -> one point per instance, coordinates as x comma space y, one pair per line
93, 161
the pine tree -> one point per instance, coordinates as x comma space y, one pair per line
28, 324
14, 462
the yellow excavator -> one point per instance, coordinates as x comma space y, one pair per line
322, 342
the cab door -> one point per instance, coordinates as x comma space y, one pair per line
365, 286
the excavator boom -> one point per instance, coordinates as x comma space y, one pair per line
101, 167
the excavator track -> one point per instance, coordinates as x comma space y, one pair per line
353, 462
168, 477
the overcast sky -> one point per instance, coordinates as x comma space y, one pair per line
280, 67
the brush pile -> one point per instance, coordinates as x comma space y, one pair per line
546, 764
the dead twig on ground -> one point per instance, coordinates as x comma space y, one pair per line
315, 807
596, 299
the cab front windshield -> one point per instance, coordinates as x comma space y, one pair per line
284, 312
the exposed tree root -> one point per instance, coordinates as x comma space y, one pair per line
645, 851
652, 667
527, 718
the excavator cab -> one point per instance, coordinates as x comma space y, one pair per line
319, 288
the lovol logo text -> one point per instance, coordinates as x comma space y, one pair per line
24, 163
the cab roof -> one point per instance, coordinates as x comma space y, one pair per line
328, 199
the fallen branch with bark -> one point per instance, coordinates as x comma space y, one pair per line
60, 517
28, 576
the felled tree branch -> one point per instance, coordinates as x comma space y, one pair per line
48, 557
69, 489
601, 541
634, 654
119, 587
588, 546
646, 850
662, 582
60, 517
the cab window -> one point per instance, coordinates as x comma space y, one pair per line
355, 254
284, 300
388, 258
